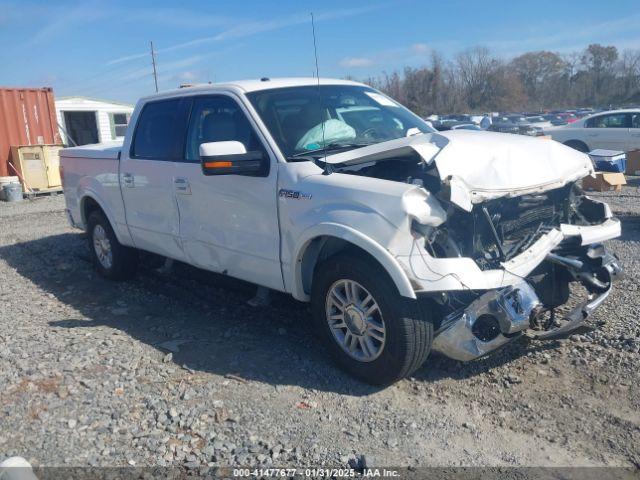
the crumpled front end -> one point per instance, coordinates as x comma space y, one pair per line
496, 233
514, 267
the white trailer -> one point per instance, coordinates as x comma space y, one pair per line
84, 120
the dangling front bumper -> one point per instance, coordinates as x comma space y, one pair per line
498, 316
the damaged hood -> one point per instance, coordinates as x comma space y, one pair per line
480, 166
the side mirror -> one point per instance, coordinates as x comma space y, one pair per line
231, 158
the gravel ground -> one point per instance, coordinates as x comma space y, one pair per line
178, 370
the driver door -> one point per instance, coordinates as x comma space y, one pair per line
228, 223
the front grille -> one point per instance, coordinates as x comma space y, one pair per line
519, 223
501, 229
528, 218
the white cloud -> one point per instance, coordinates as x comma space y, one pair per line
185, 77
127, 58
356, 62
165, 69
416, 52
254, 27
560, 39
64, 19
420, 48
175, 17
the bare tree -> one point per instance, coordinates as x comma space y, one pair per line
543, 76
599, 61
630, 72
476, 81
475, 67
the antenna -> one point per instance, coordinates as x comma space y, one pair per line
153, 62
315, 48
327, 171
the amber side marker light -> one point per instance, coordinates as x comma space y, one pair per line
218, 164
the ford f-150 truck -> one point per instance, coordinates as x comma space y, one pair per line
403, 239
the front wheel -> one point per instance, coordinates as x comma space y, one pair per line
370, 330
112, 259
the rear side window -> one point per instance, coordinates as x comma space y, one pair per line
156, 133
614, 120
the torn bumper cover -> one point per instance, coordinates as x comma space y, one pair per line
487, 323
498, 316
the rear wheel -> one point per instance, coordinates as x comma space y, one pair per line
577, 145
370, 330
112, 259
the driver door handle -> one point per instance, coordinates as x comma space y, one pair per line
127, 179
182, 186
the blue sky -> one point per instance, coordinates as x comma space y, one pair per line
101, 49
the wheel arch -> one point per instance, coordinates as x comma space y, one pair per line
90, 203
575, 143
325, 240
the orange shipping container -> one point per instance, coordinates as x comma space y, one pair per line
27, 117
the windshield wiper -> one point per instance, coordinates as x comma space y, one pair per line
331, 146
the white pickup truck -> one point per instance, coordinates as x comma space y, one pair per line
403, 239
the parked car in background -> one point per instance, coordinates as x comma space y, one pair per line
583, 113
514, 124
458, 118
402, 238
539, 121
467, 126
526, 127
554, 119
503, 125
482, 121
517, 118
612, 130
454, 125
569, 117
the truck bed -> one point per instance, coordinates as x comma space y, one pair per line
92, 171
107, 150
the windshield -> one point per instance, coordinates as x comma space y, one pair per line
307, 119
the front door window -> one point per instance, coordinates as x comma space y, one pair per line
218, 119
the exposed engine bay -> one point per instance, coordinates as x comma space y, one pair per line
473, 322
498, 230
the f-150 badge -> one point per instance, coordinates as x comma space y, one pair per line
293, 194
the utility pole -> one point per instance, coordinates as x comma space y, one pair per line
153, 62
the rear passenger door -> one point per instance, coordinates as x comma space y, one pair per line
147, 173
228, 223
609, 131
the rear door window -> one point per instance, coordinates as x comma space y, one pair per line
157, 131
614, 120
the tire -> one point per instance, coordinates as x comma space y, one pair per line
407, 336
111, 259
577, 145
